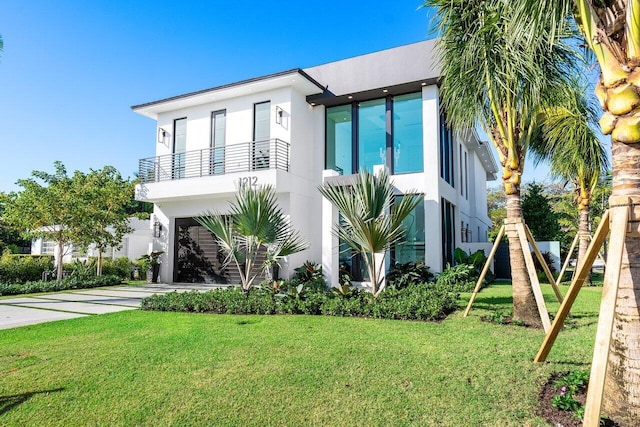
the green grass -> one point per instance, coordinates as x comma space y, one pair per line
150, 368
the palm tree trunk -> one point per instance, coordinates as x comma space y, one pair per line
524, 303
583, 233
621, 400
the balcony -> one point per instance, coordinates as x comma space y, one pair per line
244, 157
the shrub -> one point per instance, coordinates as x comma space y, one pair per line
120, 267
461, 278
415, 302
80, 269
310, 275
63, 285
410, 273
24, 268
477, 259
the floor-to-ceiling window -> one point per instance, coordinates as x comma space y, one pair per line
339, 152
446, 151
218, 130
407, 133
372, 134
261, 134
179, 147
411, 248
448, 232
384, 131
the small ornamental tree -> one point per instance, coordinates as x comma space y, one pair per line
253, 225
372, 221
106, 219
47, 207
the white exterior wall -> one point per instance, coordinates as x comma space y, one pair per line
303, 126
137, 244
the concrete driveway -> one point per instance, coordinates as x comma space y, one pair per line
22, 311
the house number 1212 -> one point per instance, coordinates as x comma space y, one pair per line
248, 180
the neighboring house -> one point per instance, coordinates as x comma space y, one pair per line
297, 129
134, 245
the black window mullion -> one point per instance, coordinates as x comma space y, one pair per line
355, 162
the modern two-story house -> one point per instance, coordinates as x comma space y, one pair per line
300, 128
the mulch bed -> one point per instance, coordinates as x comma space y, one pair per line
558, 417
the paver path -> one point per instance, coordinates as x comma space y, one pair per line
21, 311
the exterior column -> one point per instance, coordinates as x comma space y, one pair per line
330, 243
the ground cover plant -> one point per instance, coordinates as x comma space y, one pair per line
164, 368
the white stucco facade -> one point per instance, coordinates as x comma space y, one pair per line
202, 175
133, 245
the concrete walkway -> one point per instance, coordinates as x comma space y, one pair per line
22, 311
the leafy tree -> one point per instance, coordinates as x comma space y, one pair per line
106, 218
254, 224
47, 207
372, 221
497, 210
538, 213
9, 237
500, 76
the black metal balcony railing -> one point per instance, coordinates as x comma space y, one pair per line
243, 157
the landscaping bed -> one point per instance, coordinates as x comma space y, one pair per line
429, 301
56, 286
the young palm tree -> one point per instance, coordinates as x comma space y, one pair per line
255, 223
501, 78
372, 221
568, 141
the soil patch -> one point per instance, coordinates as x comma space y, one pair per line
558, 417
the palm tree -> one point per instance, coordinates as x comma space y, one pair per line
372, 222
568, 141
254, 224
501, 78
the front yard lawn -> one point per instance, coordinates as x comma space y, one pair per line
155, 368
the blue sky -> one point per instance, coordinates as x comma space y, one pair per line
71, 70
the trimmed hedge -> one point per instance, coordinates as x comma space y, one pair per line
63, 285
17, 268
427, 301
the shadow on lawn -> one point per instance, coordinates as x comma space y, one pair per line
7, 403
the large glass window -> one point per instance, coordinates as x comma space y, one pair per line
407, 133
411, 248
339, 135
372, 134
368, 130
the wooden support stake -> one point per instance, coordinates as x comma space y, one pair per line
566, 261
484, 270
619, 223
533, 277
581, 275
545, 267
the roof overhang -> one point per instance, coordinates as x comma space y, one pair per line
329, 99
295, 78
473, 142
